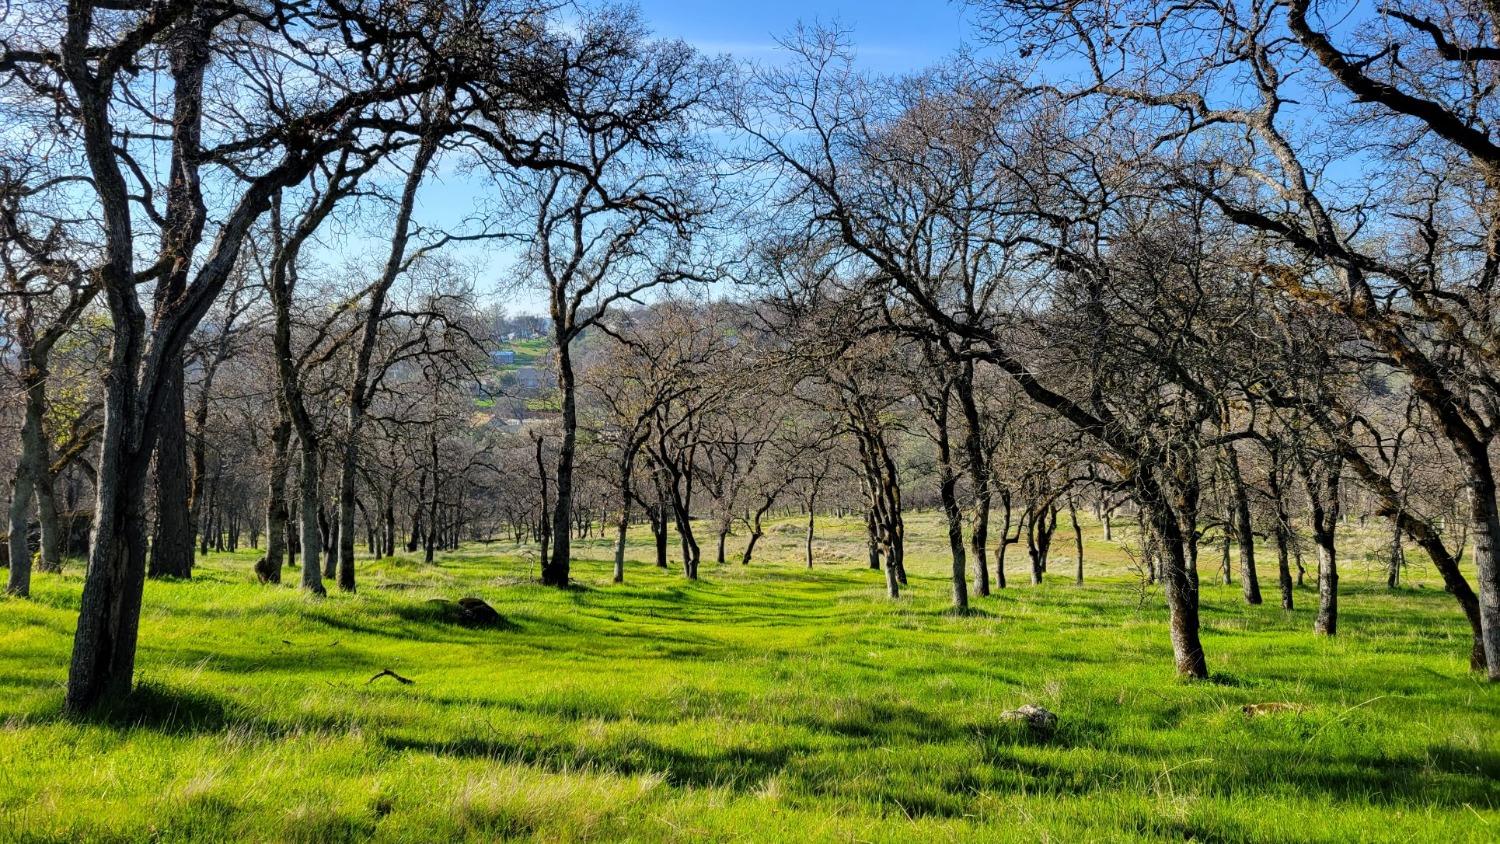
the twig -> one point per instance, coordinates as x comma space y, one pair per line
389, 673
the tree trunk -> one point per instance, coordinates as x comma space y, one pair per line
947, 493
1245, 531
390, 524
312, 540
755, 534
46, 514
172, 541
622, 527
1323, 502
810, 527
1182, 600
327, 537
1283, 569
1077, 541
276, 503
1224, 570
979, 475
555, 572
1484, 526
1327, 621
348, 501
19, 581
1004, 541
892, 581
627, 465
659, 534
1398, 556
1282, 531
103, 661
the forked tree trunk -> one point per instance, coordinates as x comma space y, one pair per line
978, 465
947, 493
1398, 556
1004, 541
757, 530
1323, 504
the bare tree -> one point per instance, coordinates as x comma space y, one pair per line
1404, 250
614, 214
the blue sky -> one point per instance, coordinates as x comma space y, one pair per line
889, 35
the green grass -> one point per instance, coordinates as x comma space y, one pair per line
764, 703
528, 352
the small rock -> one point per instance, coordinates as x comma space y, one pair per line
1253, 709
1039, 720
476, 613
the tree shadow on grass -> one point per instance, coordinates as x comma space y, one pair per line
737, 768
175, 711
166, 709
445, 613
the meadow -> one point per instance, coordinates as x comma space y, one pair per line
766, 702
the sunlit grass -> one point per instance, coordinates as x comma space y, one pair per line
766, 702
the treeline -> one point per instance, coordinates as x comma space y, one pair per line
1099, 262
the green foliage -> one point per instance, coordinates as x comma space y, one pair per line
766, 702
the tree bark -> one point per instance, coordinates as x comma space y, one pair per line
1484, 527
947, 493
1004, 541
1077, 541
312, 540
811, 514
978, 465
556, 570
32, 472
1323, 496
46, 514
1182, 602
1244, 530
172, 540
276, 503
1398, 556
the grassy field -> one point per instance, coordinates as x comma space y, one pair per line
763, 703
